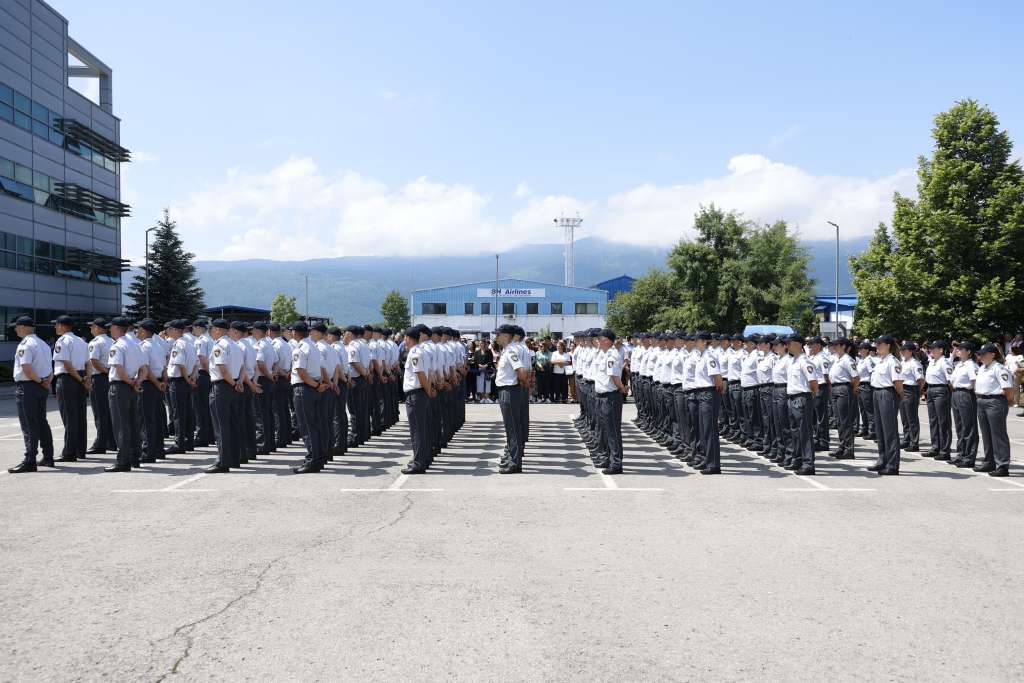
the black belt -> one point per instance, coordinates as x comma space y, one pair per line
118, 381
677, 386
936, 386
840, 384
414, 391
892, 389
964, 389
508, 387
733, 381
750, 386
991, 396
607, 393
779, 385
27, 381
704, 389
204, 372
802, 394
177, 379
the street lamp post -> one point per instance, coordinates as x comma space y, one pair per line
147, 267
837, 274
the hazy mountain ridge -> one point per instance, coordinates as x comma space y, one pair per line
350, 289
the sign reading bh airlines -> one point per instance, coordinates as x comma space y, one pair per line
511, 292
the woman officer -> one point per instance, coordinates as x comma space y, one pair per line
937, 395
965, 416
844, 380
993, 390
865, 364
886, 390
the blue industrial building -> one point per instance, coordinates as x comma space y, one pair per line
616, 285
476, 308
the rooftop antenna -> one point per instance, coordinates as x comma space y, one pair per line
568, 226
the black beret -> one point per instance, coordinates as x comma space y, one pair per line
219, 323
706, 336
319, 327
885, 339
238, 325
122, 322
300, 326
148, 325
908, 346
816, 340
64, 320
937, 344
335, 331
988, 347
607, 334
100, 322
354, 329
274, 327
202, 322
796, 338
260, 325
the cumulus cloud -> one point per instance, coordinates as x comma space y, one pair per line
297, 210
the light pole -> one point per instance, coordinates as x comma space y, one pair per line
497, 286
837, 275
147, 267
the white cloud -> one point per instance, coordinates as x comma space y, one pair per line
298, 211
142, 157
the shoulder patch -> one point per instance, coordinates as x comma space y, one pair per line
899, 368
1006, 377
295, 356
174, 352
810, 369
712, 363
949, 370
415, 360
611, 364
216, 351
825, 365
113, 353
21, 352
514, 356
57, 348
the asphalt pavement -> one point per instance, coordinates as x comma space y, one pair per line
559, 573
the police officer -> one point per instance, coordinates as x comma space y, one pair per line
418, 391
865, 365
994, 391
99, 351
266, 379
70, 356
886, 390
822, 364
610, 392
33, 373
182, 368
123, 386
965, 416
511, 379
801, 388
153, 388
339, 419
307, 386
937, 395
913, 385
225, 369
360, 360
282, 386
330, 368
709, 387
845, 384
203, 341
750, 389
782, 452
766, 437
239, 333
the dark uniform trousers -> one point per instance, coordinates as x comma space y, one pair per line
205, 432
226, 417
359, 407
510, 400
282, 413
801, 420
71, 403
992, 412
152, 429
339, 421
610, 406
266, 442
35, 430
939, 427
100, 403
376, 398
750, 416
846, 413
307, 413
965, 419
707, 400
179, 394
735, 413
867, 409
247, 408
124, 417
325, 413
820, 418
682, 434
783, 447
693, 425
908, 415
886, 431
416, 409
766, 437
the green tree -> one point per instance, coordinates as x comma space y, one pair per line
174, 290
635, 311
395, 309
283, 309
954, 264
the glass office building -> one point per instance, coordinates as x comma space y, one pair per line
60, 158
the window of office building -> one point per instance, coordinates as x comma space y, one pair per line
556, 308
468, 308
586, 309
485, 308
508, 308
532, 308
434, 309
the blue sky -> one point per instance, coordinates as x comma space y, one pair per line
354, 128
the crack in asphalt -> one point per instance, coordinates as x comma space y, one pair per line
186, 630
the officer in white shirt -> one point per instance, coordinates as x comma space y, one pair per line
359, 359
226, 367
750, 389
33, 372
418, 391
124, 361
693, 451
339, 420
307, 386
611, 392
886, 389
733, 367
994, 391
282, 386
239, 333
677, 378
70, 356
766, 437
181, 372
913, 388
801, 386
203, 341
845, 383
865, 365
153, 388
330, 368
937, 395
709, 387
822, 364
965, 415
99, 351
511, 379
782, 452
266, 379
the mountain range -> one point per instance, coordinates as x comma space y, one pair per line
350, 289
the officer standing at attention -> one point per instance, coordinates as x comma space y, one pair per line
511, 380
801, 387
913, 384
965, 415
359, 359
750, 388
709, 387
764, 393
239, 333
99, 351
845, 383
153, 388
610, 393
181, 369
329, 370
822, 364
418, 391
70, 356
937, 394
123, 384
203, 341
339, 420
782, 452
307, 386
994, 391
225, 366
33, 372
886, 389
282, 386
865, 365
266, 376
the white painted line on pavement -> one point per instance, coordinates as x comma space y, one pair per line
1010, 490
389, 490
815, 484
608, 482
617, 488
166, 490
844, 490
397, 483
1006, 480
818, 486
184, 482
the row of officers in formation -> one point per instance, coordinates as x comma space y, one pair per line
249, 389
780, 395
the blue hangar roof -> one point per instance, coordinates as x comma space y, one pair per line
616, 285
